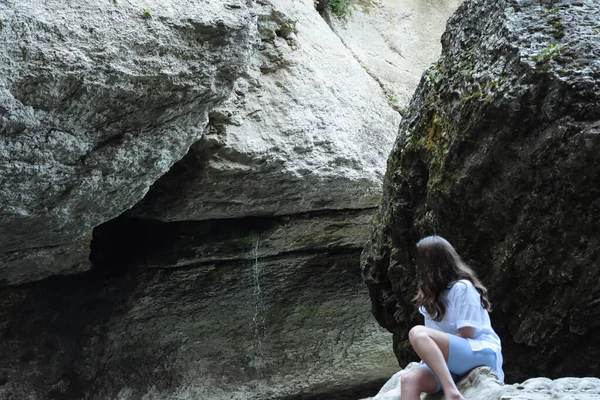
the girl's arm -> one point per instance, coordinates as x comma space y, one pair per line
466, 332
466, 304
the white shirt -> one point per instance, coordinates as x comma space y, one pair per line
464, 309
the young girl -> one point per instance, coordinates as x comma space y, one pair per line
457, 335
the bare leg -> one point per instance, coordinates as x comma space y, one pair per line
433, 347
414, 383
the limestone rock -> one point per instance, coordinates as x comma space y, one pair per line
240, 280
482, 384
309, 131
395, 41
499, 154
25, 265
97, 100
246, 310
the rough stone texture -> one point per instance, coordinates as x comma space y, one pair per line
200, 311
499, 154
177, 310
38, 263
97, 102
395, 40
309, 131
129, 241
482, 384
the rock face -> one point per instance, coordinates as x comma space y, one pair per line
309, 130
395, 41
499, 154
241, 316
236, 277
482, 384
96, 102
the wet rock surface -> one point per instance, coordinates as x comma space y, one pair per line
498, 153
202, 311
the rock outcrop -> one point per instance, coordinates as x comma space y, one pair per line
203, 310
395, 41
309, 130
236, 276
499, 154
482, 384
97, 101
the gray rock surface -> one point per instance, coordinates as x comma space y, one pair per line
98, 100
499, 154
310, 130
482, 384
288, 137
395, 41
205, 312
31, 264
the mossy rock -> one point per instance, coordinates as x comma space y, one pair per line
498, 153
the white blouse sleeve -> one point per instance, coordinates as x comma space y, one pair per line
469, 315
467, 306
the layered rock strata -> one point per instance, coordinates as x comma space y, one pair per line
236, 276
498, 153
272, 309
98, 100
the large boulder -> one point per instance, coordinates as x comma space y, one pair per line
98, 100
308, 130
236, 277
499, 154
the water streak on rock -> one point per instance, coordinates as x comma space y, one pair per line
258, 318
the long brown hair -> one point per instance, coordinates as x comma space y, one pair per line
440, 267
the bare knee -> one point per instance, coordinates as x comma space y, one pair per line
408, 383
417, 332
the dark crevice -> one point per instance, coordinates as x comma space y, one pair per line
321, 6
127, 241
51, 322
328, 212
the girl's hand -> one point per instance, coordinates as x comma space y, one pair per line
467, 332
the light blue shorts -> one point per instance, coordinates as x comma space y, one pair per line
461, 359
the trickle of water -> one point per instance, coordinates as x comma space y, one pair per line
259, 313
